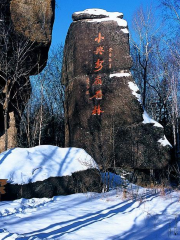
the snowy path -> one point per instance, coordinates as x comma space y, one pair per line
93, 216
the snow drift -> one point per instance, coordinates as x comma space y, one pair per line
25, 165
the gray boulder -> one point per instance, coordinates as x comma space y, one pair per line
79, 182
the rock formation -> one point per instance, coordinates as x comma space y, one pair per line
27, 29
103, 109
33, 20
79, 182
12, 134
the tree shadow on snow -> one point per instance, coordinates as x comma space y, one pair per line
154, 227
8, 152
80, 222
65, 161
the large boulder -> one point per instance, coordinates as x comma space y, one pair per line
79, 182
26, 28
103, 110
47, 171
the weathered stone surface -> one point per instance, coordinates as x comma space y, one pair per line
27, 28
80, 182
12, 133
80, 46
102, 110
34, 20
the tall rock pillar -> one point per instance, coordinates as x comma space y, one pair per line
102, 104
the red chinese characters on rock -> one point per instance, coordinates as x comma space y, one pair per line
99, 50
98, 95
98, 81
97, 110
99, 65
99, 38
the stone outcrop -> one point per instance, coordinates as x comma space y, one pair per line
80, 182
34, 21
27, 28
12, 134
103, 112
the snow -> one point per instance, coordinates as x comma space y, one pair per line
121, 74
24, 165
109, 16
141, 214
135, 89
120, 22
164, 142
148, 119
125, 30
97, 12
137, 213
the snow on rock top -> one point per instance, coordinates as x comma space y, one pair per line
24, 165
164, 142
100, 15
95, 13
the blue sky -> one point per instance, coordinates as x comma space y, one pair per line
66, 8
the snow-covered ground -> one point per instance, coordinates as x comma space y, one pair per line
135, 214
144, 214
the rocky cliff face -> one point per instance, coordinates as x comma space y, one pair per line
27, 30
102, 103
34, 21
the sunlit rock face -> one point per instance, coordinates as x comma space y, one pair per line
103, 109
26, 27
34, 21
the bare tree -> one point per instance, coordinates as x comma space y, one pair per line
142, 42
171, 15
14, 51
155, 51
171, 10
43, 119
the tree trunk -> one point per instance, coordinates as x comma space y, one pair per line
5, 129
